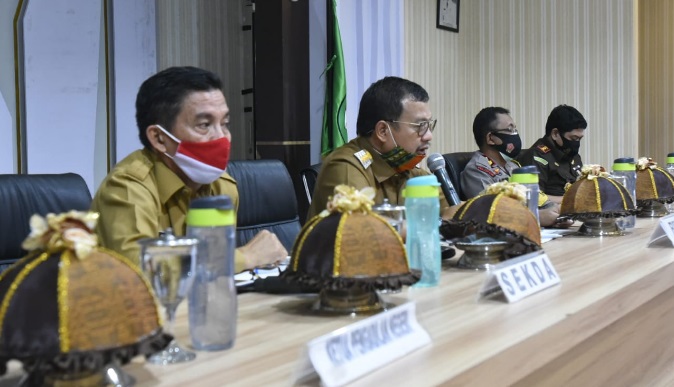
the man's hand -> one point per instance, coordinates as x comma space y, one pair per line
549, 217
263, 249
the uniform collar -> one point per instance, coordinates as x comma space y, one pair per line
556, 153
168, 183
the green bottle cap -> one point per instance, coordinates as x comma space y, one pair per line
422, 187
211, 211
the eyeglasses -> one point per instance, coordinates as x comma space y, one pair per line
422, 127
511, 131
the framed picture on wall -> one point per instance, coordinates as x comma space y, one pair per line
448, 15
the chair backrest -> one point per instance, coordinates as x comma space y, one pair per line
21, 196
456, 162
266, 200
309, 176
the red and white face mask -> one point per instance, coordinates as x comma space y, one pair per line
202, 162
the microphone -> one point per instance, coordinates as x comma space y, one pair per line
436, 163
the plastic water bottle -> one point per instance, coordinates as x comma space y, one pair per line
625, 166
528, 177
422, 206
212, 300
670, 169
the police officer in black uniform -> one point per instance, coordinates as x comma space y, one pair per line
556, 154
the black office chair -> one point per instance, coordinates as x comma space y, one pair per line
309, 176
266, 200
456, 162
21, 196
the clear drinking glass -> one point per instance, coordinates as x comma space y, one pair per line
395, 215
623, 221
169, 263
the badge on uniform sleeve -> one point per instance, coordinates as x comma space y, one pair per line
543, 148
364, 157
541, 160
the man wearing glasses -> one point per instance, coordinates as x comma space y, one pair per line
395, 128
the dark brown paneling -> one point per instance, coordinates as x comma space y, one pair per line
281, 86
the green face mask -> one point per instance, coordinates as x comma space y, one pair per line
399, 159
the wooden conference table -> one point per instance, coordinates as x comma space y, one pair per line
609, 322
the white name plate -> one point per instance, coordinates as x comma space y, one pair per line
520, 277
664, 232
362, 347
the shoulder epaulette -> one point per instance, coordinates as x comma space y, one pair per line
364, 157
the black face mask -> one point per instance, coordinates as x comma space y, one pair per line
511, 144
569, 147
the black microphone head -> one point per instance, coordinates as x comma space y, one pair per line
435, 161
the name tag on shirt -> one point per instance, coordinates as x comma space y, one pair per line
664, 232
362, 347
520, 277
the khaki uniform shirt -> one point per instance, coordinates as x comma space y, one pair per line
481, 172
358, 165
554, 170
141, 196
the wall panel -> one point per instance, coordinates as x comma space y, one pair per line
529, 56
61, 64
656, 78
8, 142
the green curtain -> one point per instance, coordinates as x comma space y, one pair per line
334, 132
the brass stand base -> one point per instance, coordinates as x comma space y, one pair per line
600, 227
653, 209
349, 301
480, 255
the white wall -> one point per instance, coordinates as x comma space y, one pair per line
373, 43
135, 60
8, 149
68, 102
61, 64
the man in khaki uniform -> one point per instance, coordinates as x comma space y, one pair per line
183, 123
395, 128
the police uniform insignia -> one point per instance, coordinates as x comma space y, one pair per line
543, 148
486, 170
541, 160
556, 164
364, 157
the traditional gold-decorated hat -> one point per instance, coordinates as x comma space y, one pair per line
349, 244
70, 307
349, 250
653, 183
595, 195
500, 209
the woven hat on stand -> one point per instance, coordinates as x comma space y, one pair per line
69, 308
